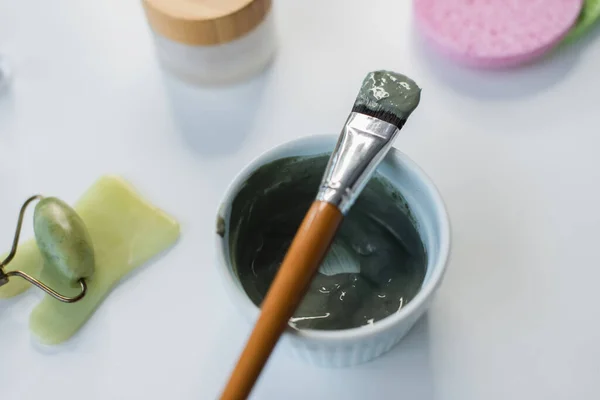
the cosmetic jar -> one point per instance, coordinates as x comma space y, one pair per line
212, 41
292, 165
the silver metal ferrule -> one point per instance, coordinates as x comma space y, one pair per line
362, 145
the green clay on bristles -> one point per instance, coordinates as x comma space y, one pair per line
390, 92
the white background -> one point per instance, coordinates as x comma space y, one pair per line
514, 154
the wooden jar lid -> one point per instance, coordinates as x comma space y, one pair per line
205, 22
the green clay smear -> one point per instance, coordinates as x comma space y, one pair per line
126, 231
388, 91
375, 266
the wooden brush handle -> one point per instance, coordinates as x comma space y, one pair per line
287, 290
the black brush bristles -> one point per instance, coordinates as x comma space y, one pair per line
379, 114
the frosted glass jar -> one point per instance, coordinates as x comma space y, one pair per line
212, 41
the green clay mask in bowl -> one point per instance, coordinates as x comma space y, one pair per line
380, 274
375, 266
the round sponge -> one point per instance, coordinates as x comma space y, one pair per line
495, 33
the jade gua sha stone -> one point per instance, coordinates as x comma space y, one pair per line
125, 230
375, 266
589, 15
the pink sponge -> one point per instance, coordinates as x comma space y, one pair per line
495, 33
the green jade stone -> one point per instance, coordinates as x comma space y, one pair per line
127, 231
63, 239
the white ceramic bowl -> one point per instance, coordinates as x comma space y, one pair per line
353, 346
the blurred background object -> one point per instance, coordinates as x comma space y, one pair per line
4, 73
588, 16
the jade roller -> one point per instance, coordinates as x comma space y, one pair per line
63, 241
384, 102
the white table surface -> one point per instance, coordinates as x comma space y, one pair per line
515, 155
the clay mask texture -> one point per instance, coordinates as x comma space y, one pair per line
390, 92
375, 266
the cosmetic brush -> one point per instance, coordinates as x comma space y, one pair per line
384, 102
